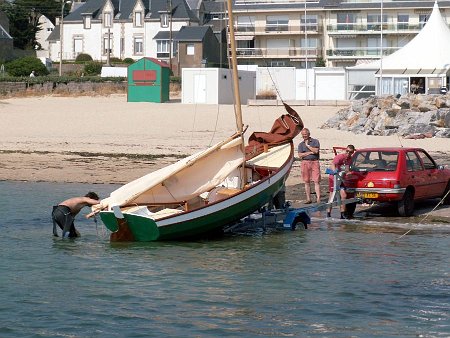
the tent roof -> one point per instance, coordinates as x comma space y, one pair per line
428, 52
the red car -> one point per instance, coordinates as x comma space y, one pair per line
399, 175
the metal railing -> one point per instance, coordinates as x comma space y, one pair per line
345, 28
267, 29
278, 52
360, 52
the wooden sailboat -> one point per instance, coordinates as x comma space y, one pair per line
210, 189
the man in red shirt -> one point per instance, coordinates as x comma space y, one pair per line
337, 165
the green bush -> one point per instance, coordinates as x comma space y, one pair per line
83, 58
320, 62
93, 68
128, 61
175, 79
115, 60
24, 66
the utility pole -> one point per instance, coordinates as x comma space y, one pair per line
61, 34
170, 35
108, 56
306, 60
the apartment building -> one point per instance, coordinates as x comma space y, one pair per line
335, 33
294, 33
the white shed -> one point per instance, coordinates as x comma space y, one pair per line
276, 80
215, 85
329, 83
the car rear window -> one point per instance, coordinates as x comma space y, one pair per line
375, 161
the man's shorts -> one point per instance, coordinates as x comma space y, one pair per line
310, 171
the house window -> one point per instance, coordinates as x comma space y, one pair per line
423, 18
174, 48
138, 45
309, 22
279, 63
403, 21
107, 46
245, 23
164, 20
107, 19
87, 22
309, 43
374, 22
122, 45
190, 49
138, 19
162, 48
346, 21
277, 23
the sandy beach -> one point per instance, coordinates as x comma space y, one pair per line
108, 140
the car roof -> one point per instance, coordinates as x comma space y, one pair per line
388, 149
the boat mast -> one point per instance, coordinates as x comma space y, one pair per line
235, 75
237, 97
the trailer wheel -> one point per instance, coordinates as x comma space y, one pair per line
298, 222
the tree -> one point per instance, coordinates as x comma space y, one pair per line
24, 19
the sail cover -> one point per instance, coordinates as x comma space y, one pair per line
284, 129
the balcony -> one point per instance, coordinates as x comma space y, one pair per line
291, 53
363, 52
372, 28
278, 29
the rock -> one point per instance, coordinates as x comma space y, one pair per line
418, 128
440, 102
443, 132
404, 104
426, 117
424, 107
408, 115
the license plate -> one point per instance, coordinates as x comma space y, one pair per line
367, 194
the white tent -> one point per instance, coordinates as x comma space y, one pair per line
426, 56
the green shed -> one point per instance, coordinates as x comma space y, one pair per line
148, 81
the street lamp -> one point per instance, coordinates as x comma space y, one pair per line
63, 3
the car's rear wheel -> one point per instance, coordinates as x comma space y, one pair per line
446, 196
406, 205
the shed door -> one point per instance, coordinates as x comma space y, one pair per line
199, 88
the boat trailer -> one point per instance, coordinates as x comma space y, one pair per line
287, 218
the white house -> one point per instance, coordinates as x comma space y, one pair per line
46, 28
127, 28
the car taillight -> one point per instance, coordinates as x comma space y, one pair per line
395, 185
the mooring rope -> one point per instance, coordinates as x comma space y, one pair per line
428, 214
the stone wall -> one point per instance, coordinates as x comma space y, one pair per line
47, 88
414, 116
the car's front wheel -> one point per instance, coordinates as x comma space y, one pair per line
406, 205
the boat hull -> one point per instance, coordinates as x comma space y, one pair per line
204, 220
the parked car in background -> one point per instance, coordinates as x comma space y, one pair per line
398, 175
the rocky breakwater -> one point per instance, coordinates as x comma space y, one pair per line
410, 116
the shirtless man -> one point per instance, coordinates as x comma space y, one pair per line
64, 213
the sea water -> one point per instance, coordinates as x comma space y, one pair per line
336, 279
